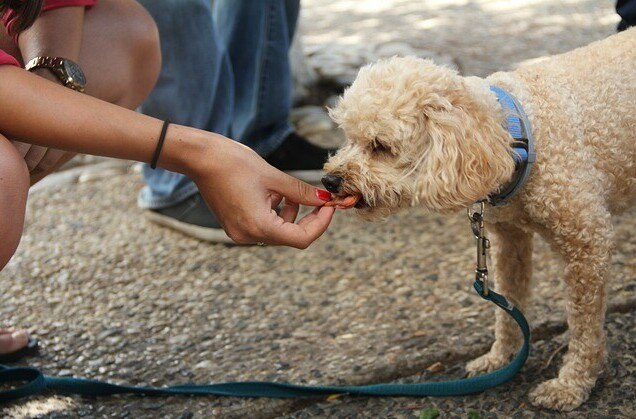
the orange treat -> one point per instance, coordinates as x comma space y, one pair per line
344, 202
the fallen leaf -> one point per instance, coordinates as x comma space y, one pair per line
436, 367
429, 414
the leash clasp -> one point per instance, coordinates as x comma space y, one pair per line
476, 218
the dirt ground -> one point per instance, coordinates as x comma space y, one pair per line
113, 296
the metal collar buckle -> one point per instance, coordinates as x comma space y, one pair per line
476, 218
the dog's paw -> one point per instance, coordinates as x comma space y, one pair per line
559, 394
485, 363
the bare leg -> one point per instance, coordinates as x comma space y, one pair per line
513, 272
583, 234
120, 52
14, 186
121, 59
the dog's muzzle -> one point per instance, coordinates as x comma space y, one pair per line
335, 185
332, 183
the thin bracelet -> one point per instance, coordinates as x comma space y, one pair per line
162, 138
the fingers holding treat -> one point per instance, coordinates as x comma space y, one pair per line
289, 211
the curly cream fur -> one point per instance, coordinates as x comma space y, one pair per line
443, 148
420, 134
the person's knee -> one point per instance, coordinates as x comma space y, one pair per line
142, 42
14, 187
147, 47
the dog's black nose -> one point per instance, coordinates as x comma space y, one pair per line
332, 183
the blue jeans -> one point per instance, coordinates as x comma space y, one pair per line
225, 69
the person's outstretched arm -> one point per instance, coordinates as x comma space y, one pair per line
240, 186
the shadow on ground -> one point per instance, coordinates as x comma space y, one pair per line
132, 302
112, 296
483, 36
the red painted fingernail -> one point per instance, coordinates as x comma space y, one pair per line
324, 195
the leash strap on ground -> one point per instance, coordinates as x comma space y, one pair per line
37, 382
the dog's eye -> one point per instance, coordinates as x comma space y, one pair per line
378, 147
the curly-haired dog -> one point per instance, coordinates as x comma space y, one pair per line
420, 134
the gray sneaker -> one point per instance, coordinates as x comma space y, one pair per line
192, 217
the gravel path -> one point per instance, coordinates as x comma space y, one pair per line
113, 296
613, 398
137, 303
481, 36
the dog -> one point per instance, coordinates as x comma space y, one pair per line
422, 135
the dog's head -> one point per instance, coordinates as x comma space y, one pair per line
417, 134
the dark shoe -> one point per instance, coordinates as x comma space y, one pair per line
31, 349
300, 158
192, 217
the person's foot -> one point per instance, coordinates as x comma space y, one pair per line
191, 217
300, 158
15, 344
12, 340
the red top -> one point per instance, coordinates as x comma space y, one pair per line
7, 59
9, 19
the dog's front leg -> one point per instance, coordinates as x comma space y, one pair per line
513, 271
585, 241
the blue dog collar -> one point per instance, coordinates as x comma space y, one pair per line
518, 126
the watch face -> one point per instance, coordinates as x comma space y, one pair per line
74, 73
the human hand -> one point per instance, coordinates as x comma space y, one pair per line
243, 191
42, 160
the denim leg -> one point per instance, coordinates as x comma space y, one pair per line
257, 36
218, 76
194, 87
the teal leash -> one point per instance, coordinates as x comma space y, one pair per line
34, 382
38, 383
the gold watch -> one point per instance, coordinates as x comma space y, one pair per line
69, 73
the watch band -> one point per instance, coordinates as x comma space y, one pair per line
56, 65
53, 64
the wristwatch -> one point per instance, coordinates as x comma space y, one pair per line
69, 73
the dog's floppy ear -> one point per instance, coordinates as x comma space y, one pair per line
338, 113
467, 156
